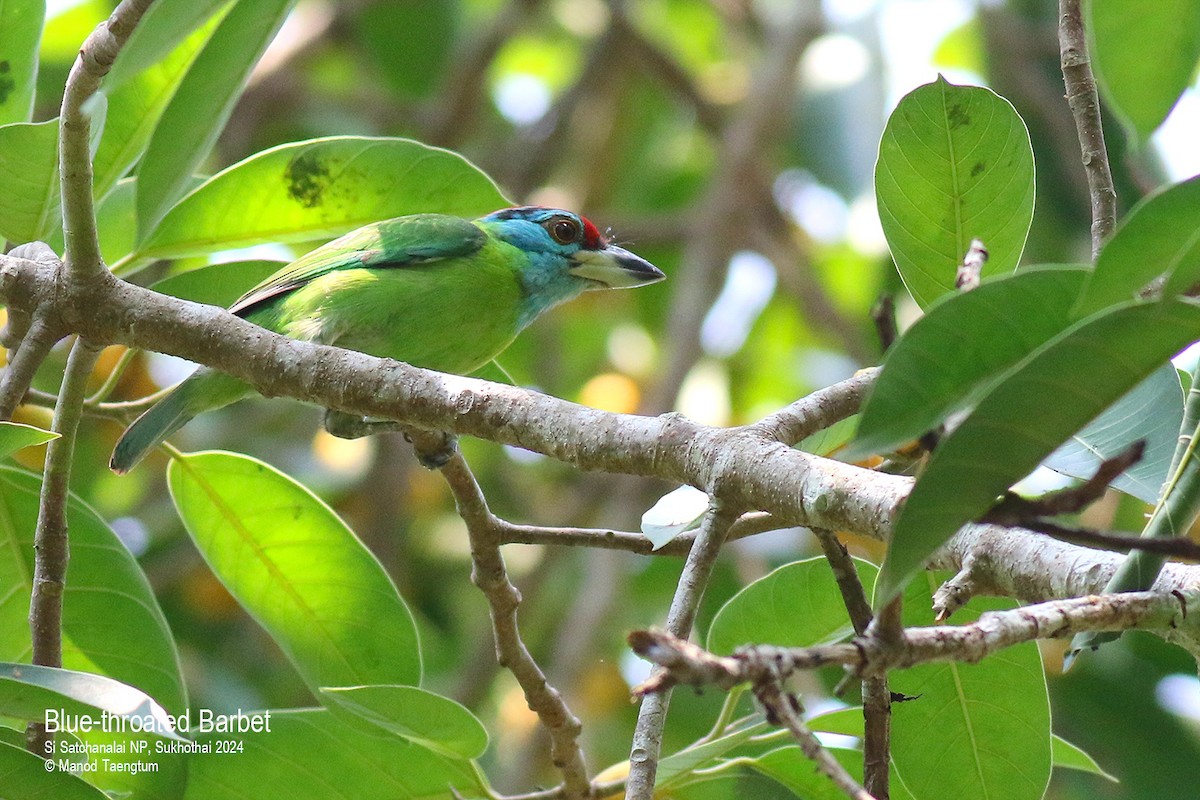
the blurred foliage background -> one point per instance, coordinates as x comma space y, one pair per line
732, 143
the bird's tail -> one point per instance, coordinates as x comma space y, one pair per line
202, 391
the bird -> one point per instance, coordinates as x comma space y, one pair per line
432, 290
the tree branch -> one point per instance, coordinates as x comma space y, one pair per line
79, 214
489, 574
652, 716
1085, 108
686, 663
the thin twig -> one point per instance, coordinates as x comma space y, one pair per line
883, 316
1085, 108
489, 574
688, 664
51, 548
24, 363
781, 710
1177, 547
652, 716
818, 410
877, 698
599, 538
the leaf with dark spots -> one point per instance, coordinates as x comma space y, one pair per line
978, 169
307, 178
957, 116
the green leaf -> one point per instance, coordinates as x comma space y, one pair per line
320, 188
797, 605
202, 104
24, 776
828, 441
1085, 369
955, 164
220, 284
312, 754
415, 714
15, 436
952, 355
678, 767
36, 693
29, 175
161, 29
1145, 56
20, 31
112, 624
135, 108
974, 730
1152, 412
793, 769
1069, 756
297, 569
846, 721
1160, 235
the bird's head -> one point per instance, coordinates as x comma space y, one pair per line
566, 249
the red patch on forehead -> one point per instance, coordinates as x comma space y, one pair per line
592, 240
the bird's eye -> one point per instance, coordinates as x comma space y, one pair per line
563, 231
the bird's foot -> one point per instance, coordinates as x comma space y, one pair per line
434, 449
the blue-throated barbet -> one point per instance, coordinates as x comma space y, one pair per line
431, 290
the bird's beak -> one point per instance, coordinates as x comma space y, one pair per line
614, 268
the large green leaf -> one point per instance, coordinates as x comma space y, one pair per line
1160, 235
428, 719
1084, 370
20, 31
161, 29
1145, 55
797, 605
955, 164
973, 730
312, 754
135, 108
112, 624
202, 104
793, 769
77, 701
1151, 412
320, 188
298, 570
949, 357
25, 776
29, 175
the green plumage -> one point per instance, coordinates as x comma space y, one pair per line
434, 291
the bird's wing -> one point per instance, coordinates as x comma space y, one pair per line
399, 242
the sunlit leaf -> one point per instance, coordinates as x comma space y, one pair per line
297, 569
675, 512
29, 175
311, 753
202, 103
1151, 412
797, 605
423, 717
973, 730
1085, 369
320, 188
20, 31
164, 25
112, 624
29, 692
1069, 756
219, 284
15, 436
1161, 235
1145, 56
955, 164
953, 354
